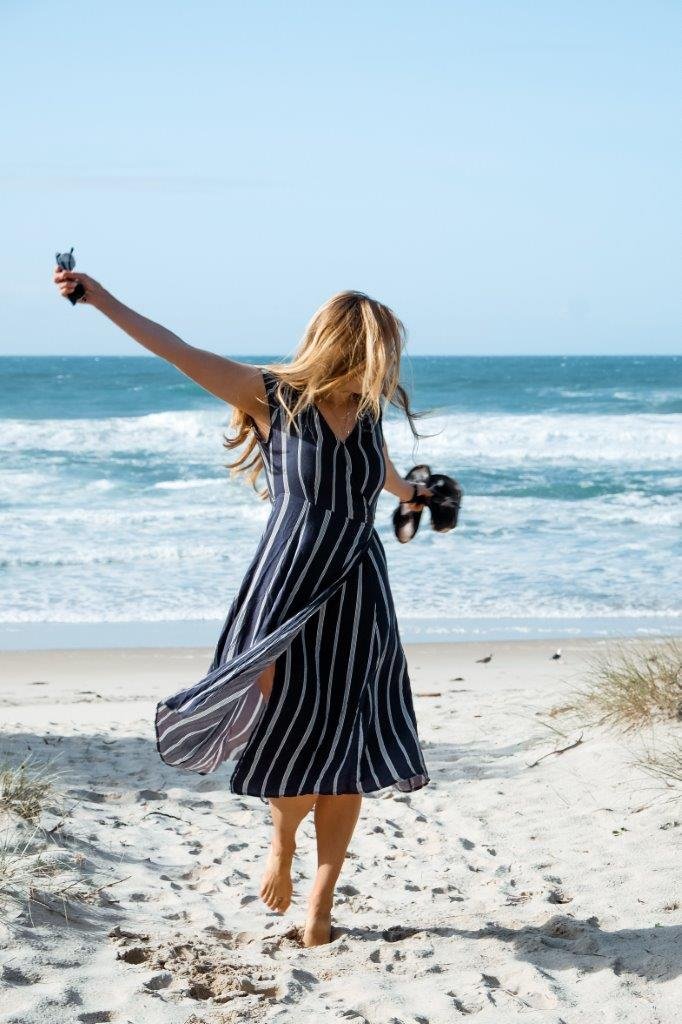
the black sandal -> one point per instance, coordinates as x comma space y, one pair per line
444, 503
406, 524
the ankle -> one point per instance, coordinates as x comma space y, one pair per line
320, 904
283, 846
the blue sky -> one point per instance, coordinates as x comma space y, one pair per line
501, 174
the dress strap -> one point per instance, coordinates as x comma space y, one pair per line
269, 380
270, 385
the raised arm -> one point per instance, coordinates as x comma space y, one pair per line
238, 384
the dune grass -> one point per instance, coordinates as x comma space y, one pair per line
37, 863
20, 867
24, 788
630, 687
664, 764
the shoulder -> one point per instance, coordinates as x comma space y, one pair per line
277, 388
271, 382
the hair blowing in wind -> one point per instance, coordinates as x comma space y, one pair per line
351, 333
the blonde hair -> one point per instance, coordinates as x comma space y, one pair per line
349, 334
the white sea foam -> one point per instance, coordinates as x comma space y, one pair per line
514, 440
137, 518
162, 431
644, 439
405, 611
101, 485
184, 485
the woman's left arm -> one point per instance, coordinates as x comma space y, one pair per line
396, 484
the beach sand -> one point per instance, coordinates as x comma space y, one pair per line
505, 890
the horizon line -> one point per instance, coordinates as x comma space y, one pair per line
407, 355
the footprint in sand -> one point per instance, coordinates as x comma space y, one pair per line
91, 796
348, 890
236, 878
134, 955
209, 786
523, 984
151, 794
157, 981
117, 932
464, 1006
559, 896
194, 847
292, 938
177, 915
197, 805
204, 879
398, 932
514, 899
15, 976
200, 969
231, 940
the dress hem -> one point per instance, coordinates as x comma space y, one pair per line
344, 792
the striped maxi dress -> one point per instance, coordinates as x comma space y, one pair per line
316, 601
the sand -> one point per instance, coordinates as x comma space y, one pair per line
505, 890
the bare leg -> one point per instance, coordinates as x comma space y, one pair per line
287, 814
335, 820
266, 679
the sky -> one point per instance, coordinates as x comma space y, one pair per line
502, 175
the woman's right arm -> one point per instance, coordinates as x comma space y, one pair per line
238, 384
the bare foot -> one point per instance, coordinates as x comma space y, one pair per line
276, 887
317, 930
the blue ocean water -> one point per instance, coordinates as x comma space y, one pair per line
120, 523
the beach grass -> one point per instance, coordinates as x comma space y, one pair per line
20, 867
664, 764
25, 862
25, 787
630, 687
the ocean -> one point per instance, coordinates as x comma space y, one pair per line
120, 524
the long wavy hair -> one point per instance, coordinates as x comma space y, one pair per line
349, 334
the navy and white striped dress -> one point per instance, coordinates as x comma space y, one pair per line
316, 601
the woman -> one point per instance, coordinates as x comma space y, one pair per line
308, 690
